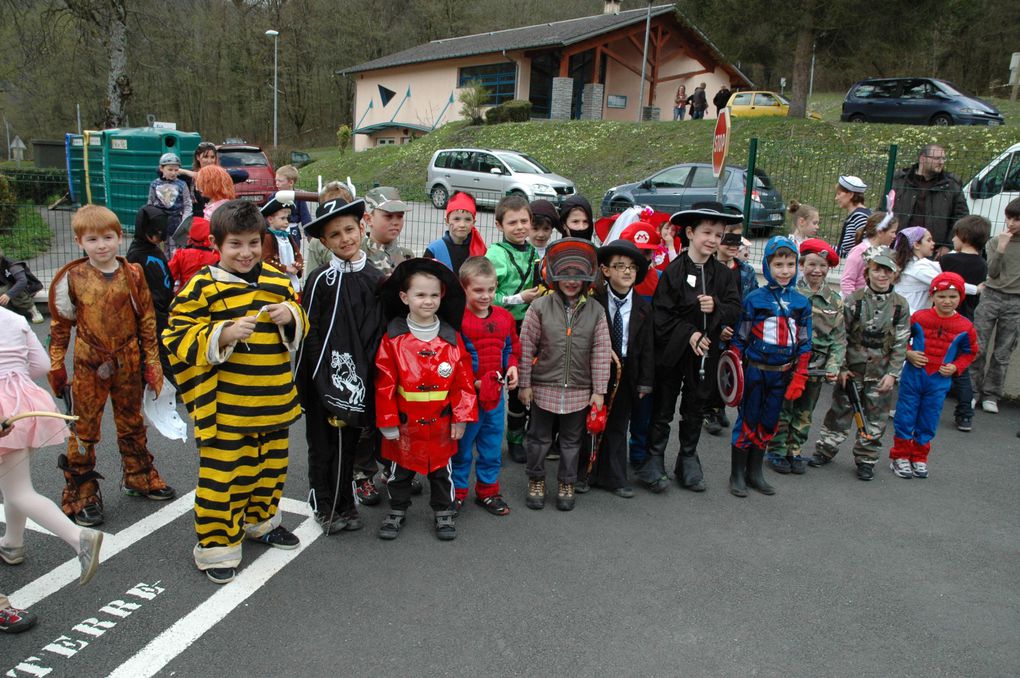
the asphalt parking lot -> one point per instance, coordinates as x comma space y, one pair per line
830, 577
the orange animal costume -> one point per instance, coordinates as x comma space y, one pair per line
115, 341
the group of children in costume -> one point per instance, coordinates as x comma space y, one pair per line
583, 344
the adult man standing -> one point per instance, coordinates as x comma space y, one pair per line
384, 220
699, 102
928, 196
721, 98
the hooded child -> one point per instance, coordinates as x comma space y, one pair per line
425, 394
576, 219
193, 257
696, 298
462, 239
336, 380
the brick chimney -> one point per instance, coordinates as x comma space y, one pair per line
611, 7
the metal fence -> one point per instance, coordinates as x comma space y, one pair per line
805, 172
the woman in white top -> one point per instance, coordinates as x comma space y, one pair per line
913, 247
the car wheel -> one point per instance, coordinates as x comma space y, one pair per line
617, 206
941, 120
857, 117
520, 194
439, 197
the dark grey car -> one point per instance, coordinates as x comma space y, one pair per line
680, 186
915, 101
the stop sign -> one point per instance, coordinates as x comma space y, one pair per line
720, 142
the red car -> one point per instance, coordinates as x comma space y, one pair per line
261, 182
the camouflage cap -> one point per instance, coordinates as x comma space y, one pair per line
883, 256
385, 198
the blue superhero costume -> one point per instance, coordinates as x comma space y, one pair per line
774, 340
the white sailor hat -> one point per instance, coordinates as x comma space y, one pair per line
852, 183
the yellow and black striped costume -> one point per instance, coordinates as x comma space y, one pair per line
241, 398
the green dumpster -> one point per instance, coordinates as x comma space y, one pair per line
85, 179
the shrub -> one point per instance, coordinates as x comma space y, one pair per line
472, 97
343, 138
515, 110
34, 185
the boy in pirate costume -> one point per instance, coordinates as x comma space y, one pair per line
425, 391
232, 329
280, 248
695, 299
335, 373
107, 301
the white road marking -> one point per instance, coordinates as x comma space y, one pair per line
166, 646
64, 574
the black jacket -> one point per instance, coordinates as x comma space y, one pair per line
157, 274
935, 204
640, 341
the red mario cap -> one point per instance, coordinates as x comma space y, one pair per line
461, 201
948, 281
819, 247
642, 234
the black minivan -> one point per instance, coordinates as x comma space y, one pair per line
915, 101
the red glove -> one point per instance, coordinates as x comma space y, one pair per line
490, 391
597, 420
796, 387
58, 380
153, 376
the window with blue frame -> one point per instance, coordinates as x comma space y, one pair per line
499, 79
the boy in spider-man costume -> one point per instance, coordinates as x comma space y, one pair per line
774, 341
942, 343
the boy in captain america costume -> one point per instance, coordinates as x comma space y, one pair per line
774, 341
942, 343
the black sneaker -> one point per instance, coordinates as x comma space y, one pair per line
353, 519
280, 538
366, 492
712, 424
416, 486
221, 575
818, 459
156, 495
865, 471
390, 528
964, 424
723, 420
13, 620
331, 522
90, 515
582, 487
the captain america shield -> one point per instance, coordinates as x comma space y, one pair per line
731, 378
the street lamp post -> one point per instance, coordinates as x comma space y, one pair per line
275, 35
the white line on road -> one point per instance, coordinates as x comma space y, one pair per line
192, 626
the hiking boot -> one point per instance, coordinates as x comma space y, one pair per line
445, 528
865, 471
90, 515
797, 465
565, 497
919, 469
89, 543
779, 464
161, 494
901, 467
517, 452
13, 620
818, 460
493, 504
221, 575
536, 494
280, 538
12, 555
964, 424
366, 493
390, 528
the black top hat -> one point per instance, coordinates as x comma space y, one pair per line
627, 249
709, 210
331, 209
451, 309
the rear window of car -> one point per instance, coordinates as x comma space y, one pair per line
879, 89
243, 159
761, 180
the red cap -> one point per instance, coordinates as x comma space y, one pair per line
948, 281
642, 234
461, 201
199, 233
820, 247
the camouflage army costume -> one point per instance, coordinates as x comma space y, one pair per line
828, 349
877, 330
384, 257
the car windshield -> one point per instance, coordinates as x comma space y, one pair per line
524, 163
242, 159
949, 89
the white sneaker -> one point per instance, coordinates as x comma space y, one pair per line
89, 544
901, 467
990, 406
36, 317
920, 469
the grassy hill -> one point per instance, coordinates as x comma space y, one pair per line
803, 156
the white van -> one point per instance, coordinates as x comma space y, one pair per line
994, 187
490, 174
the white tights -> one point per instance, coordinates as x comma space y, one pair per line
21, 502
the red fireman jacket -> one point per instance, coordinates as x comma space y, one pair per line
422, 388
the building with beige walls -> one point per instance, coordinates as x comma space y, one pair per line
584, 68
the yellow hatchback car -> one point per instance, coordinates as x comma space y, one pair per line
760, 104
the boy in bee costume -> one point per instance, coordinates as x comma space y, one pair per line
231, 332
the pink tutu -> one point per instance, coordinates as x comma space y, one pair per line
20, 394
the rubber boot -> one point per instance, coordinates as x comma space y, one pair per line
738, 471
653, 474
688, 471
755, 474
